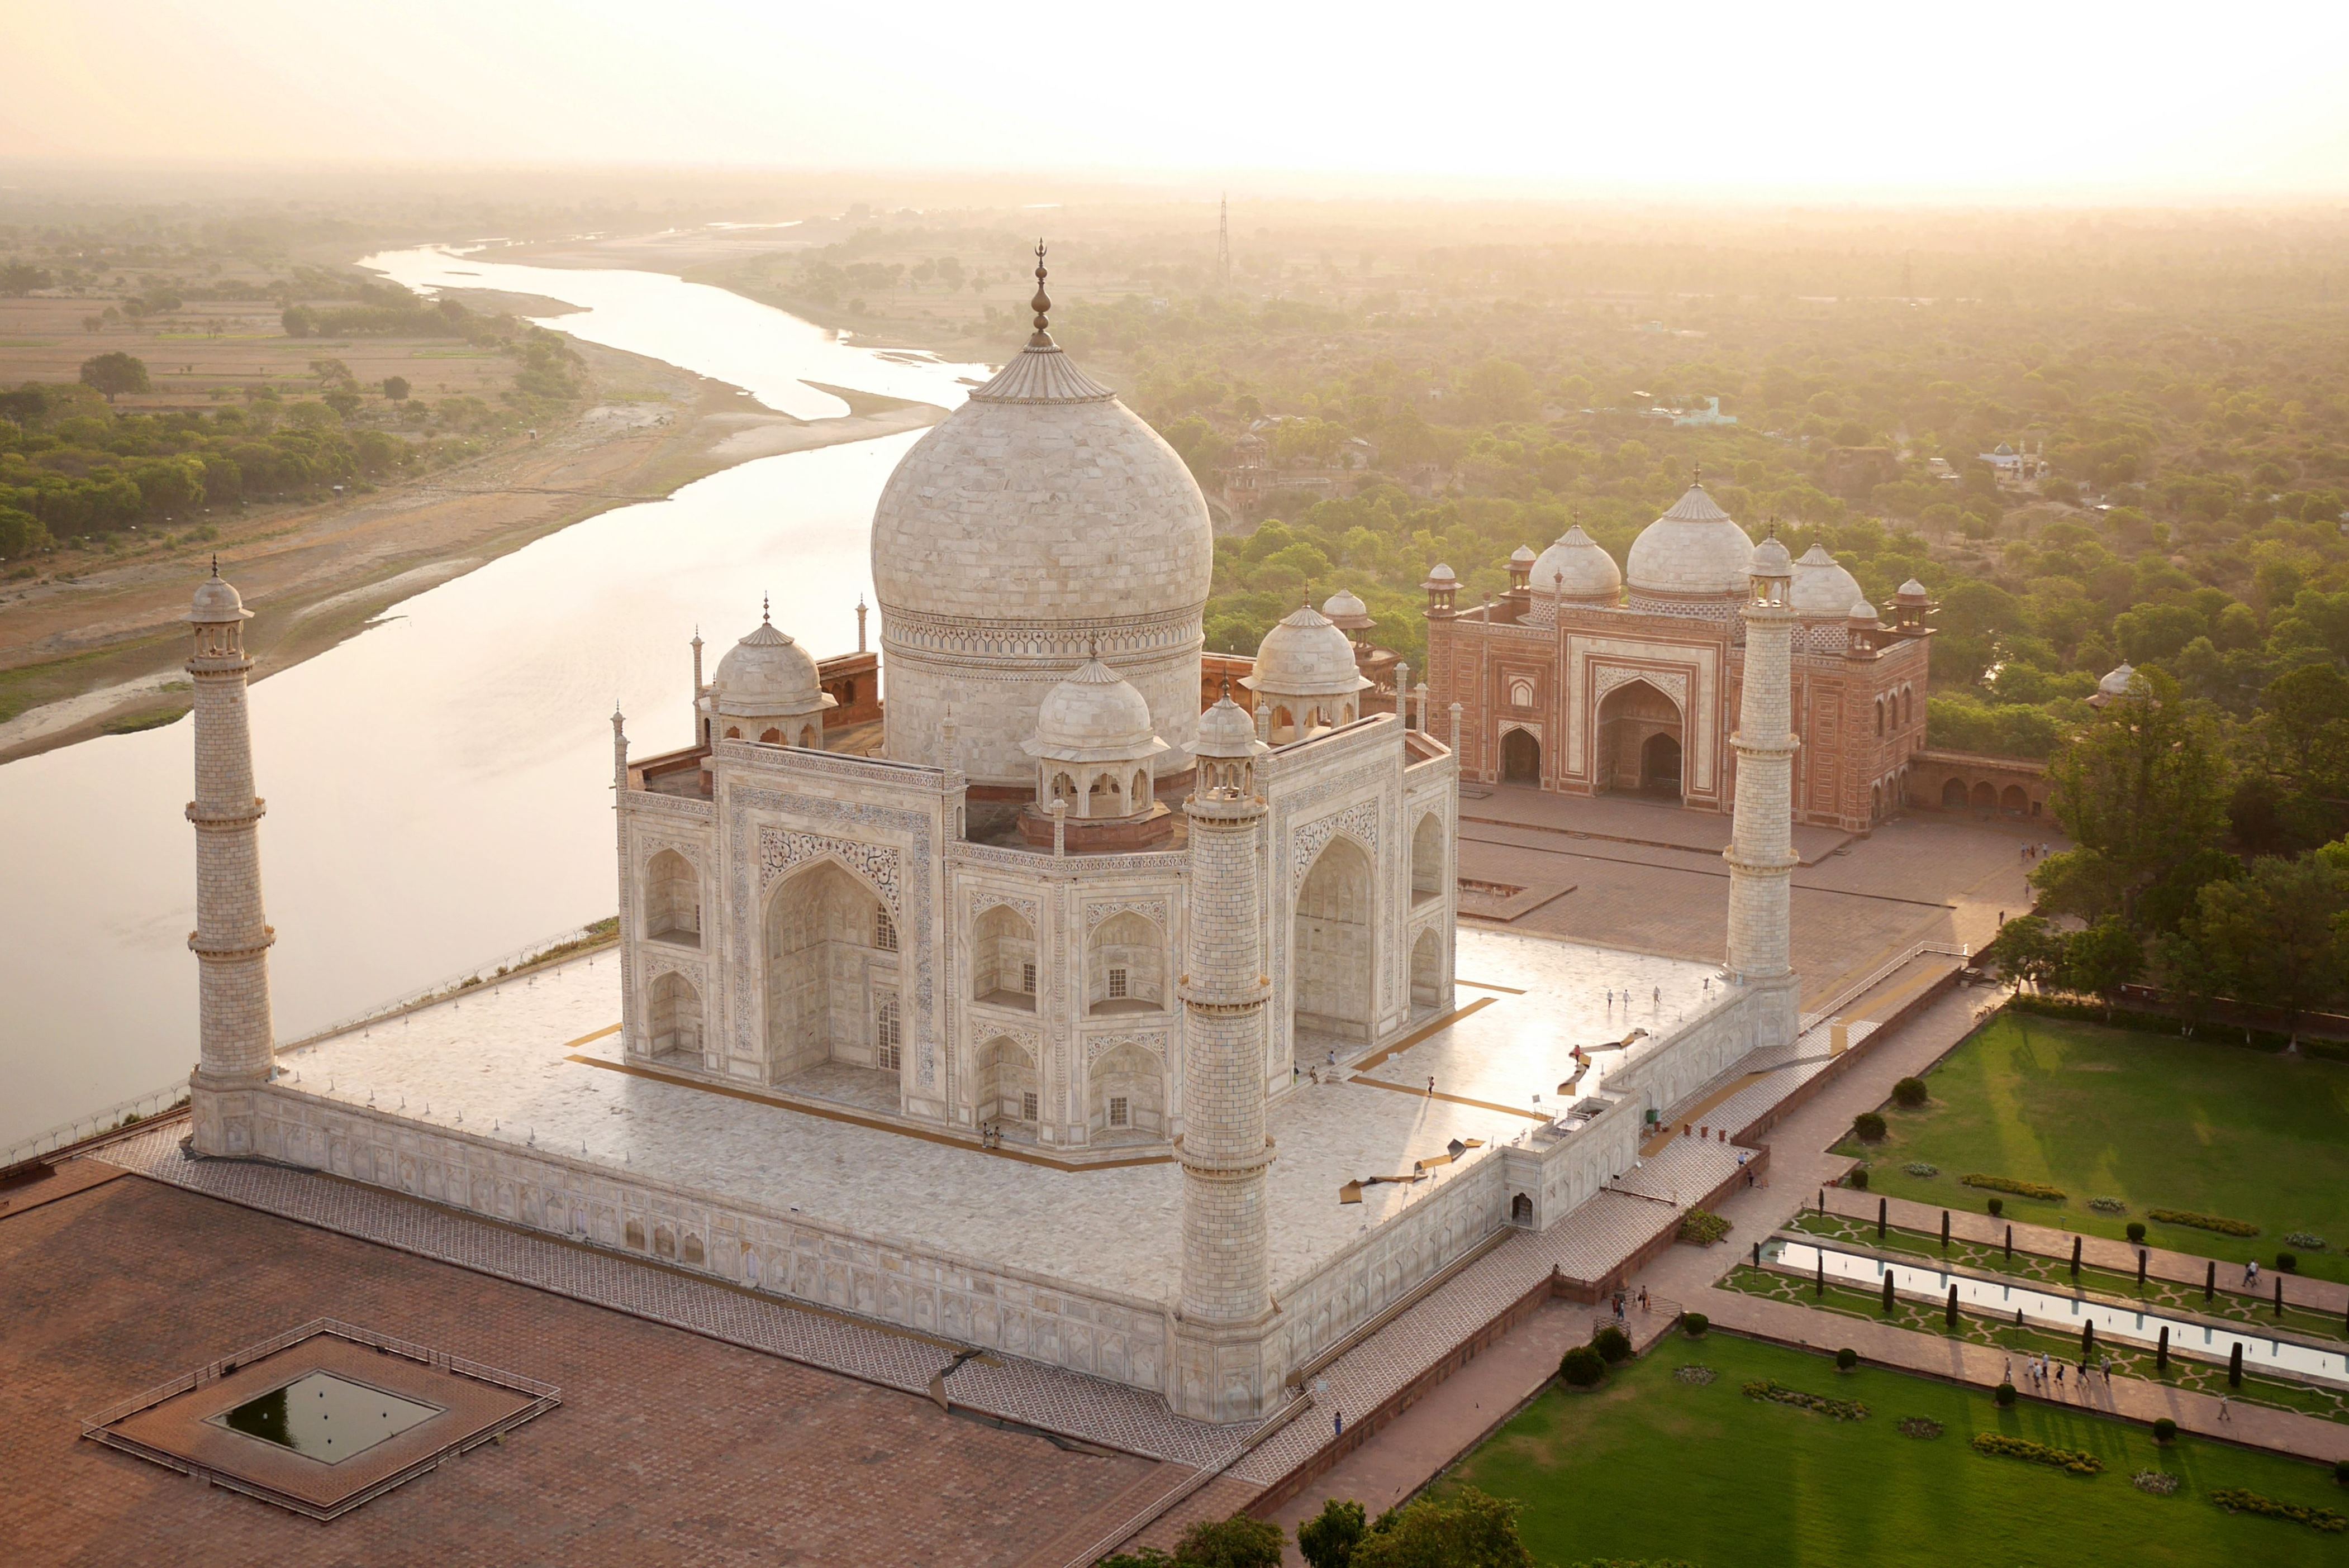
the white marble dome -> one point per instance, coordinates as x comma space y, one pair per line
2118, 681
1769, 559
1693, 551
217, 600
1822, 586
1226, 731
1909, 592
1346, 611
1861, 613
1038, 520
767, 674
1094, 716
1576, 568
1305, 656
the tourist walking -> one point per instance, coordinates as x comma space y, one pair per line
2222, 1409
1431, 1085
1337, 1423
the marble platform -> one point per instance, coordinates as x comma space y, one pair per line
503, 1062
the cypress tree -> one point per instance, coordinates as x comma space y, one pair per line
1882, 1207
2235, 1365
2161, 1351
2088, 1339
1950, 1316
1887, 1293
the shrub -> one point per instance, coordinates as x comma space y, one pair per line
1923, 1426
2165, 1430
1921, 1170
2136, 1230
1996, 1206
2341, 1472
2224, 1226
1327, 1540
1694, 1375
1238, 1542
1777, 1393
2305, 1242
1703, 1227
1870, 1126
2287, 1263
1857, 1178
1909, 1091
2039, 1190
1582, 1366
2004, 1395
2108, 1205
1614, 1346
2075, 1460
2236, 1499
1694, 1323
1847, 1358
2161, 1483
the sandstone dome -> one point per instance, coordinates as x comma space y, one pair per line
768, 674
1693, 551
1094, 716
1861, 613
1039, 520
1909, 592
1576, 568
1305, 656
1822, 586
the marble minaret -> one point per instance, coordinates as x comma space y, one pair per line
232, 940
1761, 853
1227, 1357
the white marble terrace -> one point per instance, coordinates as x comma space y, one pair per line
499, 1057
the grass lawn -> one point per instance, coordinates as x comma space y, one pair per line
1652, 1467
2154, 1121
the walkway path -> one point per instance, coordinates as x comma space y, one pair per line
1985, 1367
2100, 1252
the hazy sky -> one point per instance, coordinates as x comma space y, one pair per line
2044, 100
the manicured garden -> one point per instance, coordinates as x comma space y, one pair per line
2125, 1124
1663, 1463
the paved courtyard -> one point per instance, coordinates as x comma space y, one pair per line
1650, 876
503, 1061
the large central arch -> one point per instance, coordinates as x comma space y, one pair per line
1332, 950
1640, 741
1520, 758
827, 973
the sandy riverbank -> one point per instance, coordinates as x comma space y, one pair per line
102, 652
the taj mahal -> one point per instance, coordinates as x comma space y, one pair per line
1017, 984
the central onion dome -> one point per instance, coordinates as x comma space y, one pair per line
1693, 551
1822, 587
1576, 568
1038, 520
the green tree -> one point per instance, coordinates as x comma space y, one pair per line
1499, 390
2275, 937
1466, 1529
1238, 1542
395, 387
1328, 1539
18, 279
114, 373
2144, 785
2028, 949
21, 534
2102, 959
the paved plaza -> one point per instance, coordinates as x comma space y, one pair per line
506, 1061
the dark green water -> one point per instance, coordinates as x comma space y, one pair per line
323, 1416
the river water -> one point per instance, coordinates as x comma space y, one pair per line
438, 786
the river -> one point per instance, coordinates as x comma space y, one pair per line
438, 786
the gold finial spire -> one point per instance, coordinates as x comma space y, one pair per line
1040, 303
215, 562
766, 611
1696, 473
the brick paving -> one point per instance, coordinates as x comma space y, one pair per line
669, 1448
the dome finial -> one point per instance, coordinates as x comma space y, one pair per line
1040, 303
215, 562
766, 611
1696, 474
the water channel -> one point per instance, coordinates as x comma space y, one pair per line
2198, 1340
438, 786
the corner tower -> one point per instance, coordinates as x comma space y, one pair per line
236, 1039
1228, 1360
1761, 853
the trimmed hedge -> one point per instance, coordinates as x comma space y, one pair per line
1703, 1227
2220, 1223
1582, 1366
1694, 1323
1614, 1346
2009, 1184
1777, 1393
2237, 1500
2000, 1446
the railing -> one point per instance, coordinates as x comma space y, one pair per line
582, 938
1854, 992
121, 1115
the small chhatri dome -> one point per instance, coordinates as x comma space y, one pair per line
1346, 612
1822, 586
1305, 656
767, 672
1909, 592
1576, 568
217, 600
1696, 550
1226, 731
1094, 716
1522, 553
1862, 612
2118, 680
1440, 576
1769, 559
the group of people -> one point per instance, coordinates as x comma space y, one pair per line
2037, 852
2044, 1372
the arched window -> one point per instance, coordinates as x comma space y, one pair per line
887, 1053
1427, 859
1879, 716
885, 934
672, 900
733, 732
1125, 965
1003, 959
771, 737
1138, 796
